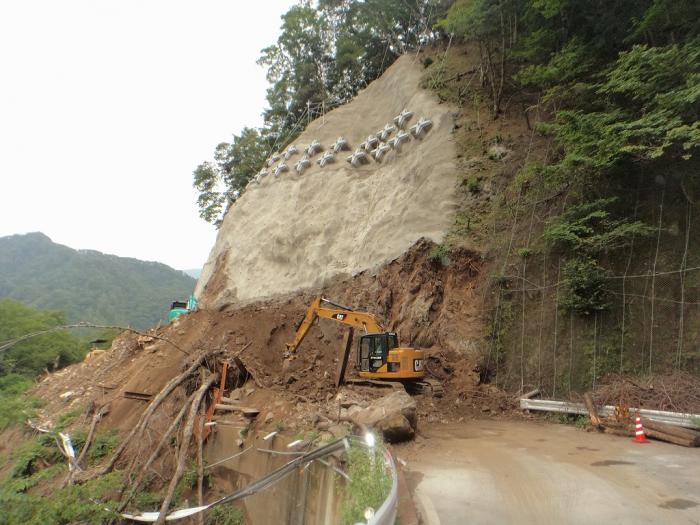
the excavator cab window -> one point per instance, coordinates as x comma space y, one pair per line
374, 349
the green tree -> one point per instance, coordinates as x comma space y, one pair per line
493, 26
49, 351
220, 183
323, 56
297, 68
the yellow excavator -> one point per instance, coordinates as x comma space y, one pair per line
379, 356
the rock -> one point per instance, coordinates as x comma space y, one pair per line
395, 428
235, 394
269, 417
248, 391
338, 431
394, 414
239, 443
498, 152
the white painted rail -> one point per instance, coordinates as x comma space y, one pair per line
672, 418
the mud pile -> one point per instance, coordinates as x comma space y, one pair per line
432, 304
298, 231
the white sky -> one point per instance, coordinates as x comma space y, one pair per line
106, 107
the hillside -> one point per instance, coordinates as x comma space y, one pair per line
88, 285
540, 236
297, 230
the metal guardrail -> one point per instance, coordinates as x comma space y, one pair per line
672, 418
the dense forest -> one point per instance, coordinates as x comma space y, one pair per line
87, 285
620, 78
22, 362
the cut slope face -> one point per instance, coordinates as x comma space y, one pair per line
296, 231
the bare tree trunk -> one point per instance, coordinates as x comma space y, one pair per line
200, 465
184, 446
138, 429
144, 469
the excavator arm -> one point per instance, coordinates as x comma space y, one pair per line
322, 307
378, 355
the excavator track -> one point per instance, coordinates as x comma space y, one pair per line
435, 386
426, 386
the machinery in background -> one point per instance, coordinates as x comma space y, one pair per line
178, 308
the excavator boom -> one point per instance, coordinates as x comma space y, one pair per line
325, 308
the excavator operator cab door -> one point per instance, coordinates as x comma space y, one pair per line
374, 350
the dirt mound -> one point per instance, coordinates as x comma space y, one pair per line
431, 303
298, 231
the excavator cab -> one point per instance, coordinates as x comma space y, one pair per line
373, 351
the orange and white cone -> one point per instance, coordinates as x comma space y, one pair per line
639, 436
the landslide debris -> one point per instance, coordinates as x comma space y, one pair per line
432, 302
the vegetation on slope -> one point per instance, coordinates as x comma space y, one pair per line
21, 363
322, 58
613, 90
88, 285
610, 91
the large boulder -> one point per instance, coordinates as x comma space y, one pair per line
394, 415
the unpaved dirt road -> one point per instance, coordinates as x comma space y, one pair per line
493, 472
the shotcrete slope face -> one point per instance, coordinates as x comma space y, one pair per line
296, 231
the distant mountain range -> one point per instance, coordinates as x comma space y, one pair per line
88, 285
195, 272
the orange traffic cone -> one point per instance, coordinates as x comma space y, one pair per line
639, 436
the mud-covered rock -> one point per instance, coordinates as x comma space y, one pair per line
394, 415
396, 428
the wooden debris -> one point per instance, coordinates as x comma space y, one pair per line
138, 395
671, 434
531, 394
347, 346
592, 411
246, 411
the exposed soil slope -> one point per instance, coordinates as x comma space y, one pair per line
430, 305
298, 231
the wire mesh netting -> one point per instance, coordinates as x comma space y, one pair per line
649, 322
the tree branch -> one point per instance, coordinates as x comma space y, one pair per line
13, 342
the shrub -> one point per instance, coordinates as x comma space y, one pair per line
474, 185
586, 286
103, 445
369, 484
439, 253
225, 515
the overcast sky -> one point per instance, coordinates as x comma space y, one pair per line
106, 107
